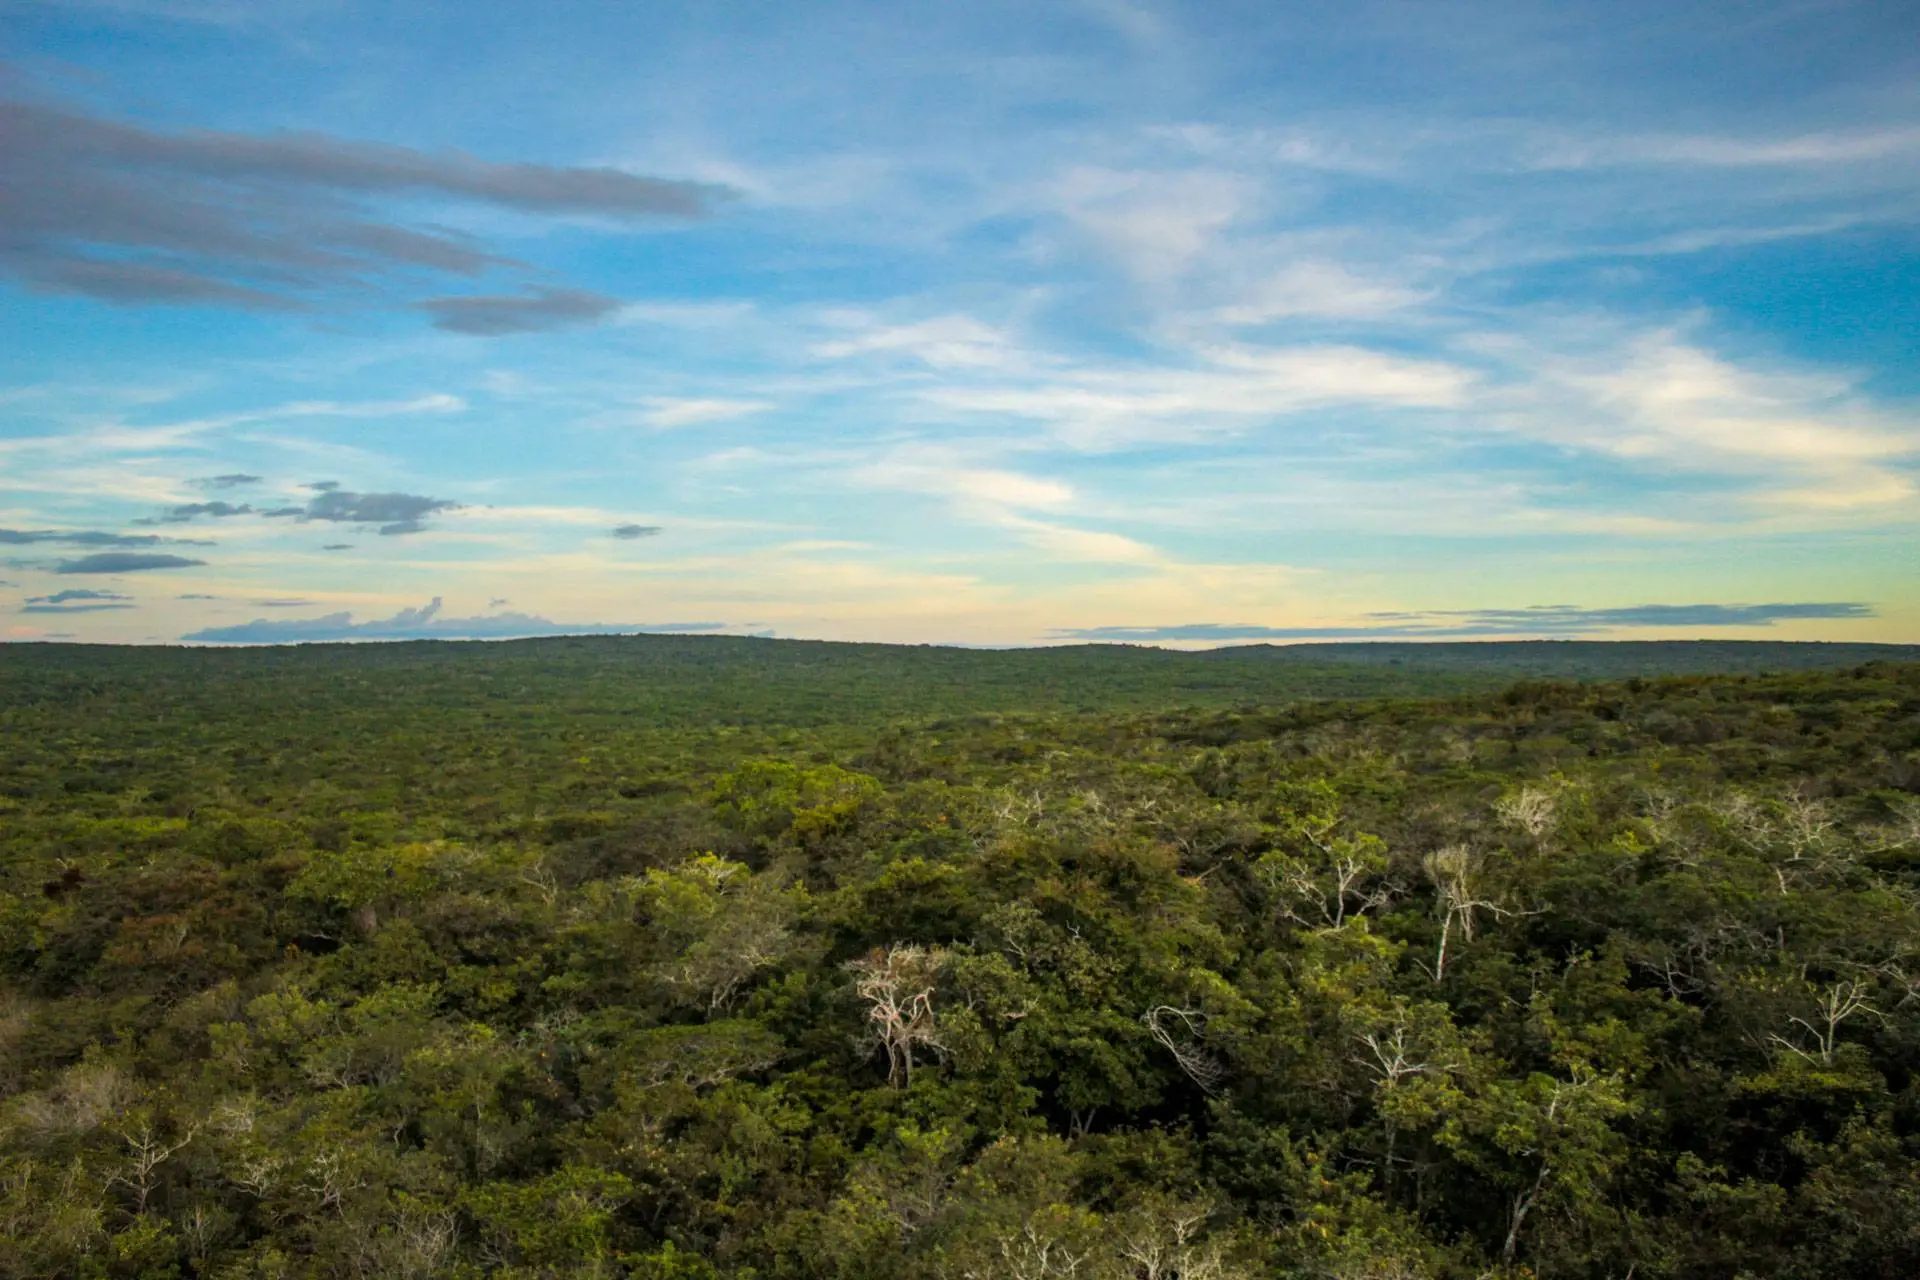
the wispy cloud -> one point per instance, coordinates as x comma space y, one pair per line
1320, 289
689, 411
1005, 500
1155, 224
1822, 149
940, 342
1806, 439
1225, 388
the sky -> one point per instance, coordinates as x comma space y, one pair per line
994, 323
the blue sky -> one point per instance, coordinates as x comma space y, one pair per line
985, 323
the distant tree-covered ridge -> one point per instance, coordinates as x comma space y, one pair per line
675, 957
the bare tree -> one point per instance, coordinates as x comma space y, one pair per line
333, 1176
1807, 837
1012, 810
1389, 1058
1832, 1008
1035, 1254
86, 1096
418, 1244
1455, 872
1046, 1242
1799, 835
1188, 1052
201, 1228
1168, 1242
1531, 809
540, 878
897, 985
146, 1152
257, 1172
1342, 878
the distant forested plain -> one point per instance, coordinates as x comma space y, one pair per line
700, 957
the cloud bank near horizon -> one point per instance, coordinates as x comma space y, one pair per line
426, 623
1534, 620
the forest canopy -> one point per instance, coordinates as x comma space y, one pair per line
699, 958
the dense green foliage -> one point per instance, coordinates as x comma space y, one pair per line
685, 958
703, 682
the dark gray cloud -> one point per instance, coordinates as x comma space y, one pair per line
1534, 620
79, 600
125, 283
283, 604
196, 595
126, 214
231, 480
425, 623
630, 531
337, 546
91, 538
498, 602
124, 562
194, 510
70, 608
532, 312
393, 513
135, 283
76, 593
